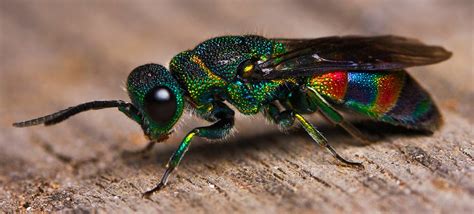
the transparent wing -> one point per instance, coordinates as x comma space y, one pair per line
304, 57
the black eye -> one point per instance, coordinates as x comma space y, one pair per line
160, 104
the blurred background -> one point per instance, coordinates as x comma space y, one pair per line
55, 53
84, 50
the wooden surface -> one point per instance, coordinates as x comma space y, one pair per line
54, 54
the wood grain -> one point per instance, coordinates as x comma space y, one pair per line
56, 54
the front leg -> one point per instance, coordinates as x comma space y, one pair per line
220, 129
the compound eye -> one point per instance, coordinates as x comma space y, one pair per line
160, 104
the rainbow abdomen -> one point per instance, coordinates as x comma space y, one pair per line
389, 96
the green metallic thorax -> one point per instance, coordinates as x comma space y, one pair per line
209, 72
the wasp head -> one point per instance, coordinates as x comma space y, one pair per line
158, 98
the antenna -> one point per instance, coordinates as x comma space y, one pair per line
66, 113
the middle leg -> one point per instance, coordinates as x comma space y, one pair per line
286, 118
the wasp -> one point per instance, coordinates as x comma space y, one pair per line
283, 79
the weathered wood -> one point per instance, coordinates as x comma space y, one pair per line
56, 54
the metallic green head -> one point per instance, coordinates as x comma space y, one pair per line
158, 98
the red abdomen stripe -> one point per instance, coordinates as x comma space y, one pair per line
332, 85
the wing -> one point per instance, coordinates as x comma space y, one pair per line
305, 57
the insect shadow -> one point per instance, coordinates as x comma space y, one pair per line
236, 147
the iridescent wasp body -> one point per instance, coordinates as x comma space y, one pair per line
281, 78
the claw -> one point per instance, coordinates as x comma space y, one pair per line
321, 140
157, 188
161, 185
340, 158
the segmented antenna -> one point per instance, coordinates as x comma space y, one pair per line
66, 113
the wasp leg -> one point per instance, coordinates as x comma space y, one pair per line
287, 118
283, 119
218, 130
321, 140
172, 163
330, 113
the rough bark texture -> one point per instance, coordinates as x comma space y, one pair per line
55, 54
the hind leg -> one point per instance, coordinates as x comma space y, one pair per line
335, 117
